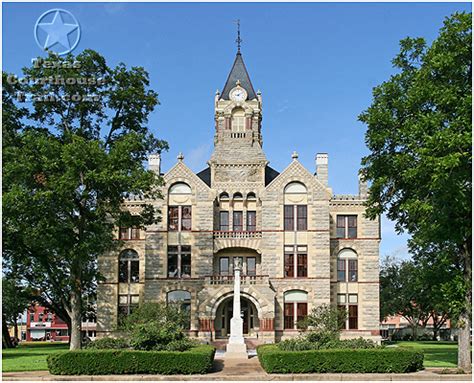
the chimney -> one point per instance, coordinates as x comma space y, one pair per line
322, 167
363, 191
154, 163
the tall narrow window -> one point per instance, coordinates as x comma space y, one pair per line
129, 267
289, 262
302, 264
237, 224
346, 226
251, 220
224, 266
179, 261
295, 308
302, 217
289, 317
352, 226
353, 317
341, 270
238, 120
251, 266
186, 218
224, 221
296, 259
352, 263
173, 218
289, 218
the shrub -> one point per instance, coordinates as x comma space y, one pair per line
375, 360
318, 341
197, 360
154, 335
324, 318
108, 343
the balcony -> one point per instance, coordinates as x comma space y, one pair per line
228, 239
244, 280
237, 234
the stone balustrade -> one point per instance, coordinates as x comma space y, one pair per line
237, 234
244, 279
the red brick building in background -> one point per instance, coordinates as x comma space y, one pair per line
43, 325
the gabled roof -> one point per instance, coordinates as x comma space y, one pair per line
238, 73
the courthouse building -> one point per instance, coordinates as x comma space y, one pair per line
300, 245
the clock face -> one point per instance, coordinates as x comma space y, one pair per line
238, 94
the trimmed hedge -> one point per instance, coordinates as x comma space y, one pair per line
197, 360
378, 360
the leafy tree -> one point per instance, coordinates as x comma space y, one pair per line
419, 137
14, 303
413, 291
324, 319
70, 160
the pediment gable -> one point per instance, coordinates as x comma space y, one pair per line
295, 171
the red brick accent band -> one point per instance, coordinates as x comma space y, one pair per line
266, 324
206, 324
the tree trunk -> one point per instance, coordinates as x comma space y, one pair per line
15, 329
435, 333
464, 324
75, 333
464, 344
7, 341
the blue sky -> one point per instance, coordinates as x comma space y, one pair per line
315, 63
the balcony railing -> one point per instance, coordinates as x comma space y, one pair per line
229, 279
219, 234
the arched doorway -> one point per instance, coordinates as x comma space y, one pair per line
224, 314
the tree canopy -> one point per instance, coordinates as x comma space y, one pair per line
71, 157
419, 133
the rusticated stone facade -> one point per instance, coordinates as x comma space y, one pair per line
301, 246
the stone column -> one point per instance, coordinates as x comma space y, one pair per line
236, 348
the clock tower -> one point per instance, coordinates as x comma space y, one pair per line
238, 156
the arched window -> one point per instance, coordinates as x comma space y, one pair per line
224, 196
347, 266
238, 120
251, 196
296, 208
129, 266
295, 188
296, 308
238, 196
180, 188
179, 217
183, 299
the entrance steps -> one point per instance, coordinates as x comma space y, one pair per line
252, 343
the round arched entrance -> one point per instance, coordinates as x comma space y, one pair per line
224, 314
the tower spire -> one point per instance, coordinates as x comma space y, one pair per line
238, 40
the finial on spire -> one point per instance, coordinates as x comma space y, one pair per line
238, 40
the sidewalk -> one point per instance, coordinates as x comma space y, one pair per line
243, 370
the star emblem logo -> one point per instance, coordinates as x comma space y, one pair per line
58, 30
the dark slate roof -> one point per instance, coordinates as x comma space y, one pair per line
270, 174
238, 72
205, 175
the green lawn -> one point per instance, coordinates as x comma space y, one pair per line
29, 356
437, 354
